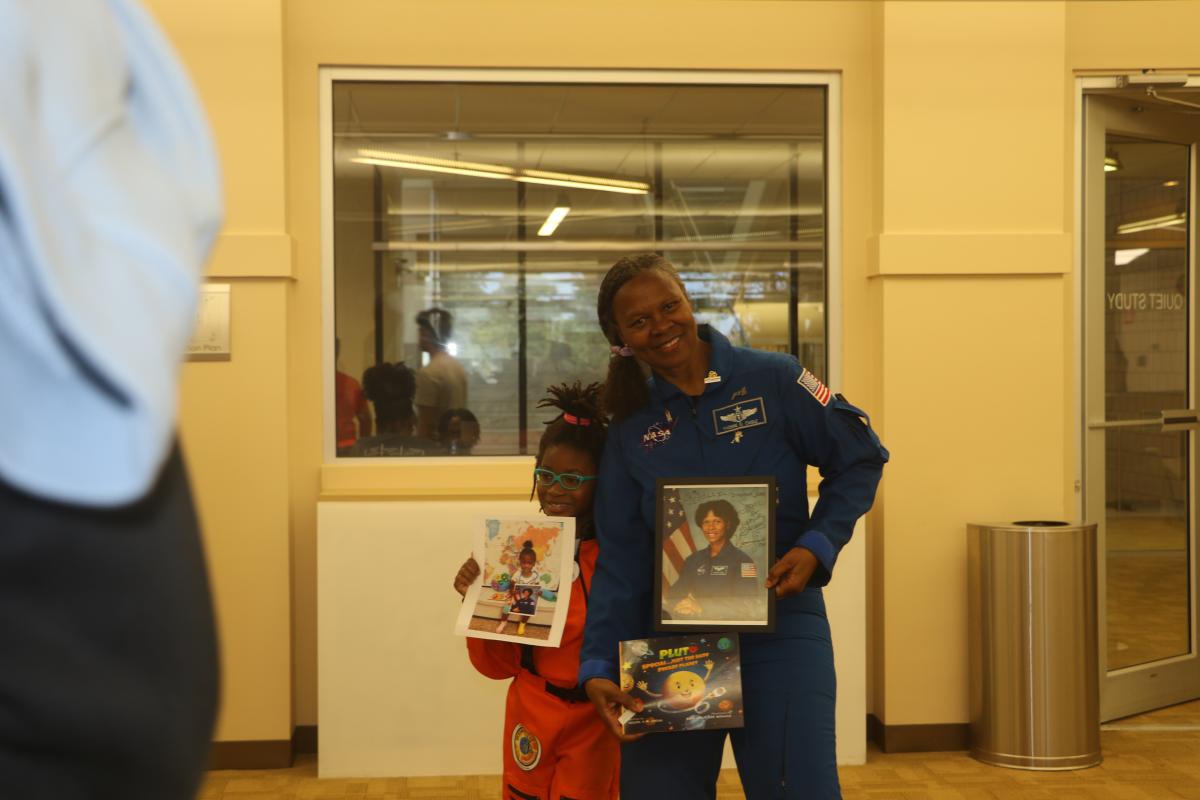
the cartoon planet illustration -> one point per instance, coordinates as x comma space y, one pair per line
683, 689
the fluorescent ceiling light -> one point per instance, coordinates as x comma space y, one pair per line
1123, 257
552, 220
1112, 162
389, 162
1168, 221
385, 158
583, 181
387, 155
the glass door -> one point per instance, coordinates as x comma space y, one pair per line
1139, 397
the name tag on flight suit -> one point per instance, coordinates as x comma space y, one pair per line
739, 416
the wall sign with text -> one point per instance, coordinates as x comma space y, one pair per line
210, 339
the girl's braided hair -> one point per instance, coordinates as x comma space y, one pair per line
580, 422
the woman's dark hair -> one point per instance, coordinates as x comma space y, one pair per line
625, 389
580, 422
390, 388
723, 509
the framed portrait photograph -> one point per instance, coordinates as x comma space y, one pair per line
715, 538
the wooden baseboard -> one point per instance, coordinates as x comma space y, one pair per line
304, 740
917, 738
256, 754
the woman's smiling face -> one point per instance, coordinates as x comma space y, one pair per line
654, 319
713, 528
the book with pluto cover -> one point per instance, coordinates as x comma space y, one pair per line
686, 683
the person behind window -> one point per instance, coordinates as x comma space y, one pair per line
351, 406
110, 201
390, 389
442, 383
458, 431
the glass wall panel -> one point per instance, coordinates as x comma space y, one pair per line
1146, 372
503, 205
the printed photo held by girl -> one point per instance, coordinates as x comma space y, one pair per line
525, 590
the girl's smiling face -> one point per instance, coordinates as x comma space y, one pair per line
527, 562
557, 501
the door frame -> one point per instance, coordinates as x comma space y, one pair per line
1116, 699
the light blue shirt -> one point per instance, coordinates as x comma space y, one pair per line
109, 203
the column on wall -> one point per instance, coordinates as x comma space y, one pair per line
970, 275
234, 413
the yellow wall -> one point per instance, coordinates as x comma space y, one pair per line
234, 414
971, 255
959, 311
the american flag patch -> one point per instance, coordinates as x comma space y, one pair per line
814, 387
749, 570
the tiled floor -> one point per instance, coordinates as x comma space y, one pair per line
1155, 755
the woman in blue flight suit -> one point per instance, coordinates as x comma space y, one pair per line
711, 409
719, 582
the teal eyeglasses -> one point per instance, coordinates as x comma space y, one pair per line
567, 480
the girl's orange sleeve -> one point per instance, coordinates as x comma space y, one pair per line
494, 659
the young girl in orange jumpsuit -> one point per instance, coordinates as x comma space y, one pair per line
555, 746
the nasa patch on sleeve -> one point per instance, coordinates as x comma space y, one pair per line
814, 387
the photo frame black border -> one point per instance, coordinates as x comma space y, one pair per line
660, 534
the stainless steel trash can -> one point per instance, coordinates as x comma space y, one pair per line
1035, 683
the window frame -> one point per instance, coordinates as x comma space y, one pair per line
508, 475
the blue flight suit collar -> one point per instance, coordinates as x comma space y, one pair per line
720, 367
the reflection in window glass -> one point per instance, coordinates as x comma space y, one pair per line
498, 208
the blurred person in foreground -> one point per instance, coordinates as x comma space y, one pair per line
109, 204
